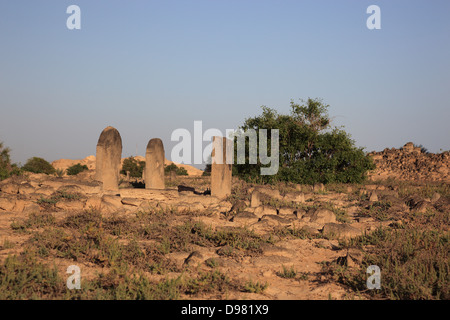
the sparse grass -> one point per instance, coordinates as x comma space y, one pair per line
34, 221
212, 263
414, 263
212, 281
135, 250
23, 277
425, 190
341, 214
287, 273
7, 245
379, 210
255, 287
49, 203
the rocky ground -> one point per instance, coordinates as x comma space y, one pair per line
264, 242
411, 163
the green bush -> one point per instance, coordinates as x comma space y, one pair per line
7, 168
134, 166
76, 169
310, 150
60, 172
38, 165
179, 171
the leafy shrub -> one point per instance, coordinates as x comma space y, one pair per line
38, 165
76, 169
6, 167
134, 166
179, 171
310, 151
60, 172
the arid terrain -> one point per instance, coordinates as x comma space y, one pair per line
284, 241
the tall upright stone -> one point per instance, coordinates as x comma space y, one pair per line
220, 169
154, 165
108, 158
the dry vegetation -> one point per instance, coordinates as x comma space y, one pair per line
163, 253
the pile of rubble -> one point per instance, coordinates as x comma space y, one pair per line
410, 163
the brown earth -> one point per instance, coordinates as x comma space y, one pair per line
287, 226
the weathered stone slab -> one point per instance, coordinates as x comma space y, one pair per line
154, 165
108, 159
220, 169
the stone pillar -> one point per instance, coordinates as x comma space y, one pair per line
154, 165
108, 159
220, 169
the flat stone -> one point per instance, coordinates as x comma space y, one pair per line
338, 231
245, 217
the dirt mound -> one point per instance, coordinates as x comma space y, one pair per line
410, 163
66, 163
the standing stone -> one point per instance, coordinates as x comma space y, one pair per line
220, 170
373, 197
108, 159
255, 200
154, 165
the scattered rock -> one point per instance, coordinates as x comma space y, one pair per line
309, 229
274, 220
194, 258
239, 206
264, 210
286, 211
422, 206
11, 188
131, 202
245, 218
319, 187
26, 188
373, 197
70, 205
71, 189
273, 193
7, 203
93, 203
353, 258
295, 197
337, 230
255, 199
435, 197
321, 216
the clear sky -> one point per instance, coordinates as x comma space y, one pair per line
150, 67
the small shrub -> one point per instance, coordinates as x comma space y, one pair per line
76, 169
38, 165
287, 273
255, 287
179, 171
24, 277
7, 168
60, 172
135, 167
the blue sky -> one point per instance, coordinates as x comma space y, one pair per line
150, 67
